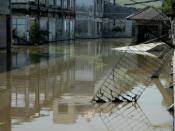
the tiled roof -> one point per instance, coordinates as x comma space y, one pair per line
149, 13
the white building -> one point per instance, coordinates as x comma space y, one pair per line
55, 17
89, 18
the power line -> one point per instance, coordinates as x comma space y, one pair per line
141, 2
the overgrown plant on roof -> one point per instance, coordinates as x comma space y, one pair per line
167, 6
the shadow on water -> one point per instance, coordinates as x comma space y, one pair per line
53, 93
21, 59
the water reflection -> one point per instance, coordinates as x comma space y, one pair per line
126, 117
5, 118
52, 86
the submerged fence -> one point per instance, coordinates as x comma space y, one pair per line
125, 84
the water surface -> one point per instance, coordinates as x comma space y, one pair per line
50, 88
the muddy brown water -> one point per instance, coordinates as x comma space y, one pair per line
49, 88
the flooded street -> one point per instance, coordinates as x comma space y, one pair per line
49, 88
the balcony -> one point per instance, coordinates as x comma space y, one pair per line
27, 7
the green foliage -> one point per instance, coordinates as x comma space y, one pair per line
34, 32
167, 6
36, 35
118, 29
22, 36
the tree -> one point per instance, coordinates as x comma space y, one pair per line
34, 33
38, 36
167, 6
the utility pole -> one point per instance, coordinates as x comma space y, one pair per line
134, 2
8, 29
9, 33
38, 20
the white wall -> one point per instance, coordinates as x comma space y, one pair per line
52, 29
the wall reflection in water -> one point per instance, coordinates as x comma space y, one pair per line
62, 80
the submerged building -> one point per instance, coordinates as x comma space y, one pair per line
55, 18
5, 32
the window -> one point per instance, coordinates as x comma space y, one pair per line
19, 25
65, 4
58, 3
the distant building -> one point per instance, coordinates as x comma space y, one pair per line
55, 17
89, 18
69, 19
5, 32
150, 24
115, 23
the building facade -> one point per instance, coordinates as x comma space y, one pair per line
115, 23
89, 18
150, 24
5, 33
55, 18
69, 19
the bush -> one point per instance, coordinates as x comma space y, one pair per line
37, 36
34, 33
118, 29
167, 6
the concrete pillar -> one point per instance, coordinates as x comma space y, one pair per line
9, 34
5, 32
5, 25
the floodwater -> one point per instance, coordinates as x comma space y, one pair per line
49, 88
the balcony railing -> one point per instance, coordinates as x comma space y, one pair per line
33, 6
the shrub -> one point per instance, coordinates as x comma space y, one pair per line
34, 33
167, 6
118, 29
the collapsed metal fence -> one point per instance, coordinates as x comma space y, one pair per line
120, 85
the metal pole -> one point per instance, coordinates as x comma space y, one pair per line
8, 29
38, 19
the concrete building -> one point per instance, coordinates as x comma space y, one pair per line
150, 24
89, 18
55, 17
69, 19
5, 32
115, 23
